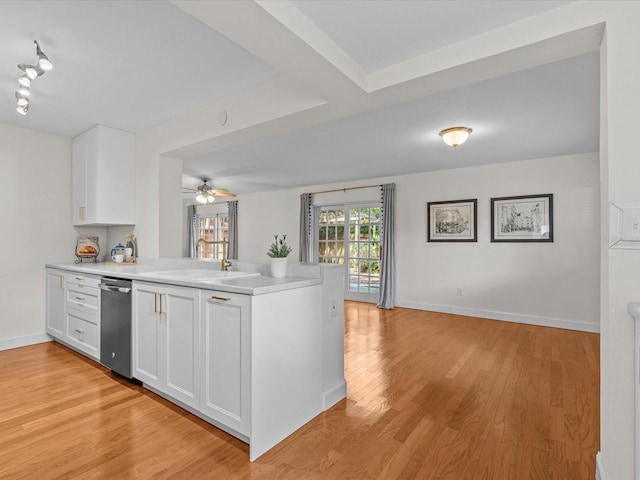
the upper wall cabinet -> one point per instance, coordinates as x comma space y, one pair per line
103, 177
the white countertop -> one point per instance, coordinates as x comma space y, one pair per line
249, 278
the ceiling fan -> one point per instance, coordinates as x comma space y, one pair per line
207, 194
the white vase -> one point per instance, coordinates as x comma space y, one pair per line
279, 267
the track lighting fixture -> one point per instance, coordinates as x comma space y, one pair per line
31, 72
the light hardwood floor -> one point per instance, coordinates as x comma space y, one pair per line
430, 396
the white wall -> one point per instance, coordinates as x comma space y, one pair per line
546, 283
537, 281
621, 99
35, 194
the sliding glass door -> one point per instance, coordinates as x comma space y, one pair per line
349, 235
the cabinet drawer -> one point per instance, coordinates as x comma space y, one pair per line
82, 332
83, 297
81, 280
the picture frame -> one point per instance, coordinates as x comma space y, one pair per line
523, 218
452, 221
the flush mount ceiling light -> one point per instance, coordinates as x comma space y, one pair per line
455, 136
31, 72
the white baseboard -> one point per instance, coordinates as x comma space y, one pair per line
600, 475
334, 395
508, 317
16, 342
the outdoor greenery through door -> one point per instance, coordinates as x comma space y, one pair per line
359, 250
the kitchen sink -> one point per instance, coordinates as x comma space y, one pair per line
199, 274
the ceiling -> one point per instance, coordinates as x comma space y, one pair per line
133, 65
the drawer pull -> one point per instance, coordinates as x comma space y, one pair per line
80, 299
80, 331
80, 279
222, 299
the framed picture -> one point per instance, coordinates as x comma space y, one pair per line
453, 221
527, 218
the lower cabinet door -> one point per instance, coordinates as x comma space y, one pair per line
225, 342
179, 323
82, 332
146, 335
165, 340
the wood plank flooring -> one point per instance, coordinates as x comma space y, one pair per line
430, 396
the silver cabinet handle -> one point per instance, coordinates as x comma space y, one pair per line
222, 299
155, 303
80, 299
80, 279
79, 330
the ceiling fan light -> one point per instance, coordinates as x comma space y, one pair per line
24, 80
205, 197
21, 101
455, 136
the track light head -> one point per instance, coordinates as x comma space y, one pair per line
29, 70
24, 80
43, 60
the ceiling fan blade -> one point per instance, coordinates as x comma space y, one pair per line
218, 193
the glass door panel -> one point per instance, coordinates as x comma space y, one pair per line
350, 235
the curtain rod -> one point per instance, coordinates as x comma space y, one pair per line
344, 189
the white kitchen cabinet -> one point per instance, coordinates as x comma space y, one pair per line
165, 340
55, 303
73, 311
225, 344
83, 332
82, 313
103, 177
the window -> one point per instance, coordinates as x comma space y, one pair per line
358, 249
212, 227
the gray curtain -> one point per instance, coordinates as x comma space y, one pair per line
232, 248
305, 228
192, 231
387, 249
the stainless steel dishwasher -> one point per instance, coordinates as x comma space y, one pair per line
115, 325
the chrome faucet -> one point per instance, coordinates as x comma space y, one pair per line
224, 263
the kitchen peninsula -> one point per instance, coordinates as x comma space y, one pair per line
254, 355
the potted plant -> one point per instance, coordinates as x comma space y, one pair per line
278, 251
